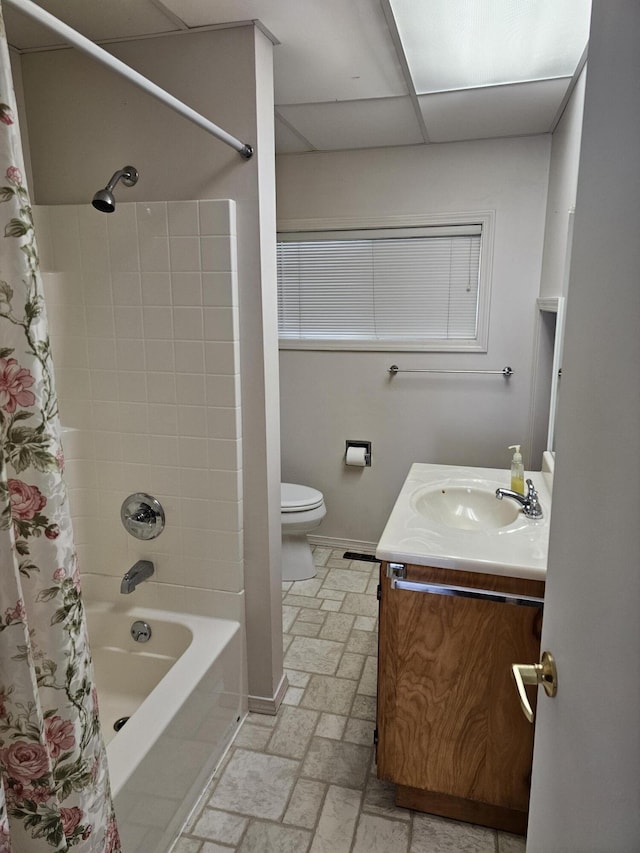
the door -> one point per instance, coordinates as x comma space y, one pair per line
585, 794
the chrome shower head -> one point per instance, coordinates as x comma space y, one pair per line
103, 200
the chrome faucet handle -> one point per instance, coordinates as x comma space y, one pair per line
142, 516
532, 508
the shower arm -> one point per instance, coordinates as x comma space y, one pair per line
84, 44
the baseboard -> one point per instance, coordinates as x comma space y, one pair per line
345, 544
267, 704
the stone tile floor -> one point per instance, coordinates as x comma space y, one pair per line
304, 781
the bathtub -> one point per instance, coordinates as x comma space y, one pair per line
183, 694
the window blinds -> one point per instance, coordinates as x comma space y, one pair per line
412, 286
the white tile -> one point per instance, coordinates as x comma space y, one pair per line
192, 421
188, 323
183, 218
128, 321
132, 386
255, 784
192, 452
223, 390
190, 389
123, 239
156, 288
224, 454
221, 357
223, 422
161, 387
159, 355
154, 255
158, 322
218, 254
217, 217
220, 324
218, 289
186, 288
184, 254
127, 288
104, 384
130, 354
189, 356
100, 321
151, 218
163, 418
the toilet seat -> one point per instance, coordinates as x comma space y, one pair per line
295, 498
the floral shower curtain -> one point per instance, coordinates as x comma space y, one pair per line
54, 786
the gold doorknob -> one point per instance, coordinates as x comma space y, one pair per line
544, 673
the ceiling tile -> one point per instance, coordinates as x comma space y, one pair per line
355, 124
329, 50
288, 142
518, 110
97, 21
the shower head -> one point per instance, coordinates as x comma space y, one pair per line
103, 200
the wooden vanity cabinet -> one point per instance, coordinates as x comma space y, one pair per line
450, 730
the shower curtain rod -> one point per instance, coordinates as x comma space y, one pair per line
84, 44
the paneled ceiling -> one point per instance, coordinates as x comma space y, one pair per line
369, 73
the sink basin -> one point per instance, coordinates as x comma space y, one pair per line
464, 507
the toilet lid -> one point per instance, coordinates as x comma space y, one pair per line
294, 498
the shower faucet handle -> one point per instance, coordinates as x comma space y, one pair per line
142, 516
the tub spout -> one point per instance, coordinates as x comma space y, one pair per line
140, 571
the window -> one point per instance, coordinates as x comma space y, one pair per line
418, 288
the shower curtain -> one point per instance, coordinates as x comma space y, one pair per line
54, 785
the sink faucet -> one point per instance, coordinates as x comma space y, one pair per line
140, 571
529, 502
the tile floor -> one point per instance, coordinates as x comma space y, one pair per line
304, 781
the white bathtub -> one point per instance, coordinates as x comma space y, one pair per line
183, 693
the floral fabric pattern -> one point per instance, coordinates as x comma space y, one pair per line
54, 784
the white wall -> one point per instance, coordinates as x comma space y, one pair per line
328, 397
85, 122
563, 181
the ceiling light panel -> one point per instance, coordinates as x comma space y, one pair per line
461, 44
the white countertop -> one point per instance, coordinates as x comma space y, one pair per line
517, 550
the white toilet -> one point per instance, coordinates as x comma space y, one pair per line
301, 511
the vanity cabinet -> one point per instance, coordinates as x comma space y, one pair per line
450, 730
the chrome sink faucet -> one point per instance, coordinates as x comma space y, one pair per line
139, 572
529, 502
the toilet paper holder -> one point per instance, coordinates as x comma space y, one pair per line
367, 450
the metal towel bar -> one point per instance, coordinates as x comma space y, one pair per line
506, 371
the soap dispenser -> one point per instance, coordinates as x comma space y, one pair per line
517, 470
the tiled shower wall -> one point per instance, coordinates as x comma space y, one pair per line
142, 307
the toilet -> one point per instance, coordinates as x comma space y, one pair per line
301, 511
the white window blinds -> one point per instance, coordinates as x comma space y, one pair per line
409, 285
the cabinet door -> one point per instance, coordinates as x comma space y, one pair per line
449, 719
